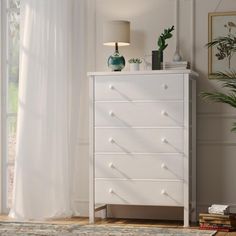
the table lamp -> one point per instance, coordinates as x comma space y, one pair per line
116, 33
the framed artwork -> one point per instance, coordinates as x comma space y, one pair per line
220, 56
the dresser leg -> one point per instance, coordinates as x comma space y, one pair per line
186, 217
91, 219
91, 213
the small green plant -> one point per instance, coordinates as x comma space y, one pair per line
161, 43
135, 60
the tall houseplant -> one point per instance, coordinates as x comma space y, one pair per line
228, 81
157, 55
226, 47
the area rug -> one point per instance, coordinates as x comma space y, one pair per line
36, 229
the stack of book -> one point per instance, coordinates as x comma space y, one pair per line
175, 65
218, 222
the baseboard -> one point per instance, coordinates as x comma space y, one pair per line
81, 207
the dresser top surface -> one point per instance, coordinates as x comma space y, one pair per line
143, 72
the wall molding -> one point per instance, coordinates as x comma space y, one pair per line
81, 207
216, 115
193, 33
215, 142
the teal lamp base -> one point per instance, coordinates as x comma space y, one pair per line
116, 62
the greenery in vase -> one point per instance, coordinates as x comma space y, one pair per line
161, 43
135, 60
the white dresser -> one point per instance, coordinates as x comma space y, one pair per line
142, 140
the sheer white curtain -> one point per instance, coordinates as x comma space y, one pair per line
48, 110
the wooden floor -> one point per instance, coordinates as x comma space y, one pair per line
146, 223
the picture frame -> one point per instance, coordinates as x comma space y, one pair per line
219, 25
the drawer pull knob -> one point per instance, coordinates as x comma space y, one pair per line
111, 165
111, 191
164, 140
165, 86
163, 192
111, 113
111, 140
163, 166
164, 113
111, 86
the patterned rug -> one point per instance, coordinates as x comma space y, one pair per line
36, 229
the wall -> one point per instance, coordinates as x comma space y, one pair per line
1, 73
144, 29
216, 145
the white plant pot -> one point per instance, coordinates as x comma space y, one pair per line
134, 66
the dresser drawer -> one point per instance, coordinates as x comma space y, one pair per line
137, 192
146, 166
144, 140
144, 114
139, 87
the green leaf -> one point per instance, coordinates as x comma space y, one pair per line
234, 127
168, 36
165, 46
165, 35
215, 96
228, 79
160, 42
228, 41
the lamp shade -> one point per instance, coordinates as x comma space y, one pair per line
116, 32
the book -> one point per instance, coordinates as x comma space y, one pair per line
178, 65
217, 216
217, 221
216, 227
220, 222
218, 209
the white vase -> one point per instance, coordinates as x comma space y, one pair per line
134, 66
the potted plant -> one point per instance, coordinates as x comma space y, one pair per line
157, 55
134, 64
228, 81
226, 46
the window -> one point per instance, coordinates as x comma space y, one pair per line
10, 35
